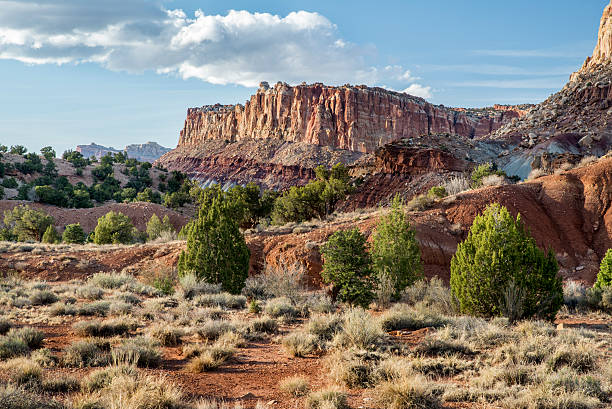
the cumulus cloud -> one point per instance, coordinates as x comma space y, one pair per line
419, 91
237, 48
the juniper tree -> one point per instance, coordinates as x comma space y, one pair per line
395, 250
216, 249
499, 270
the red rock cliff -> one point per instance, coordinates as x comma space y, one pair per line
353, 118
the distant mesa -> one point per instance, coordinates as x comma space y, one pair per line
144, 152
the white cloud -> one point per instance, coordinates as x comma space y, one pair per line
419, 90
237, 48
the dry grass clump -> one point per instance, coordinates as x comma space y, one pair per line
13, 397
277, 282
168, 336
89, 292
210, 358
107, 328
86, 353
23, 372
580, 357
327, 399
456, 185
403, 317
439, 367
359, 330
32, 337
43, 297
536, 174
265, 325
110, 280
134, 392
299, 344
12, 347
432, 295
352, 368
212, 329
587, 160
295, 386
5, 325
141, 351
191, 286
438, 347
420, 203
281, 307
493, 180
324, 326
101, 378
221, 300
413, 392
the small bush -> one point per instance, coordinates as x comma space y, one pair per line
101, 378
580, 357
98, 308
295, 386
438, 347
499, 255
456, 185
419, 203
263, 324
191, 286
209, 359
213, 329
324, 326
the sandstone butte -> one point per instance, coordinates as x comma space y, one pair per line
356, 118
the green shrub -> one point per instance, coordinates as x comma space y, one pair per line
156, 227
26, 223
482, 171
10, 183
216, 249
317, 199
114, 228
73, 234
5, 325
604, 277
499, 270
51, 236
437, 192
395, 250
347, 265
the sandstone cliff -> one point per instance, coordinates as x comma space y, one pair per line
355, 118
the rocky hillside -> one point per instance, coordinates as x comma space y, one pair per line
144, 152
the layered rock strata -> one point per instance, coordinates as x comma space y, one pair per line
355, 118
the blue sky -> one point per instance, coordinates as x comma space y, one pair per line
125, 71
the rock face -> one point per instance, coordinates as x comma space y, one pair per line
95, 150
603, 50
145, 152
353, 118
